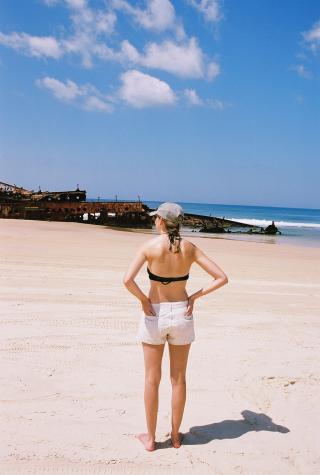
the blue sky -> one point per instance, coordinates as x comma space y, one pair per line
192, 100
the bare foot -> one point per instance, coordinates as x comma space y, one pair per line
147, 441
176, 439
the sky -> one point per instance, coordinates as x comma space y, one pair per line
205, 101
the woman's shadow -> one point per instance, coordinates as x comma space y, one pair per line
228, 429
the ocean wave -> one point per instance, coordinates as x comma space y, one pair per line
265, 222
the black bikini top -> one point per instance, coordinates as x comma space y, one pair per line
165, 280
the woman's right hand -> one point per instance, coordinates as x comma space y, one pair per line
189, 310
147, 307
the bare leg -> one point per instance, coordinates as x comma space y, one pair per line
178, 364
152, 361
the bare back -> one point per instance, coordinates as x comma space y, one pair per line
165, 263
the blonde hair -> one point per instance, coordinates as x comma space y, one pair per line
173, 229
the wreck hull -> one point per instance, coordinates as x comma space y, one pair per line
117, 213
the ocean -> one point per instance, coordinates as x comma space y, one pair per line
298, 225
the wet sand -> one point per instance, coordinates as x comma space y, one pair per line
72, 372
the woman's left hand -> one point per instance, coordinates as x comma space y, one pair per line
189, 310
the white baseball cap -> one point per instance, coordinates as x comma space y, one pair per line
170, 211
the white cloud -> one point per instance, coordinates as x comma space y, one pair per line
311, 42
216, 104
93, 22
158, 15
193, 97
69, 3
69, 92
76, 3
50, 3
213, 70
103, 51
137, 90
88, 26
141, 90
93, 103
209, 8
105, 22
184, 60
312, 37
303, 71
38, 46
129, 52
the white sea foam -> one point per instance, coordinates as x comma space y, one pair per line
264, 222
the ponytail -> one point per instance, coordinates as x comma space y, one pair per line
173, 230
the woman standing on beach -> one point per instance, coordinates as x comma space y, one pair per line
168, 312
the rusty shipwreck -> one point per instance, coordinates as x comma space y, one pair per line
19, 203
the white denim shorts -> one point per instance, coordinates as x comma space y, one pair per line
169, 324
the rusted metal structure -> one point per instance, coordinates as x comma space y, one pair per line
212, 224
19, 203
13, 193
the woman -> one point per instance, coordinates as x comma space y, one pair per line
168, 312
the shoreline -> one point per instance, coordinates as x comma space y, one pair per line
282, 240
264, 239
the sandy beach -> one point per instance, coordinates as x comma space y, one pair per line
72, 373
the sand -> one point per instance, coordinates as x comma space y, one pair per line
72, 373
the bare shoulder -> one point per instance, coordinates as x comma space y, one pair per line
189, 247
194, 251
150, 245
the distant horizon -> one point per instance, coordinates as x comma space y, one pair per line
206, 203
57, 189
